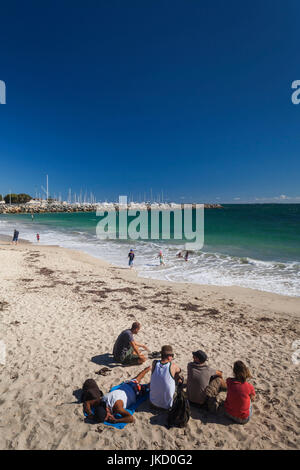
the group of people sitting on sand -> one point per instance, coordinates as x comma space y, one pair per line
202, 386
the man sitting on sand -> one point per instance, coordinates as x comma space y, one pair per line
126, 350
165, 375
116, 401
203, 382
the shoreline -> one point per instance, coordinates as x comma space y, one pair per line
60, 313
216, 265
279, 302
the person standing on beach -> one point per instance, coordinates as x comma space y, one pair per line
37, 237
131, 258
161, 258
15, 237
186, 256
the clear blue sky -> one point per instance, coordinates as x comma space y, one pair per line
192, 97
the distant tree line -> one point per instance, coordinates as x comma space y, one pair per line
16, 198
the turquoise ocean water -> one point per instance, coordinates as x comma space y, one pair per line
256, 246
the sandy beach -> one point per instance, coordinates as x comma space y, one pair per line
60, 313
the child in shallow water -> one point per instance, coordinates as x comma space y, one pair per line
240, 393
161, 258
131, 258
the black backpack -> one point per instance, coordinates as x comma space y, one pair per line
180, 412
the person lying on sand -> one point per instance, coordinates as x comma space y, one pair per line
126, 349
164, 377
116, 401
240, 393
203, 382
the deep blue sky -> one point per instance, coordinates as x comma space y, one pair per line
191, 96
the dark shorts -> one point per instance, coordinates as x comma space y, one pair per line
128, 358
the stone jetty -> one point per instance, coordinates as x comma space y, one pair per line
37, 207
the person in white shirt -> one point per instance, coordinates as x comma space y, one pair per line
116, 401
164, 376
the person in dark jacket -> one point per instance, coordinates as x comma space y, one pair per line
15, 237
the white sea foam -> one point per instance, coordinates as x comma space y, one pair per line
202, 268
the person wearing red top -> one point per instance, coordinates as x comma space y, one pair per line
239, 394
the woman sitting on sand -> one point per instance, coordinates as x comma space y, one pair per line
239, 394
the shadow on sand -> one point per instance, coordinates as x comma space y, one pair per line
77, 394
206, 416
105, 360
108, 360
160, 417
